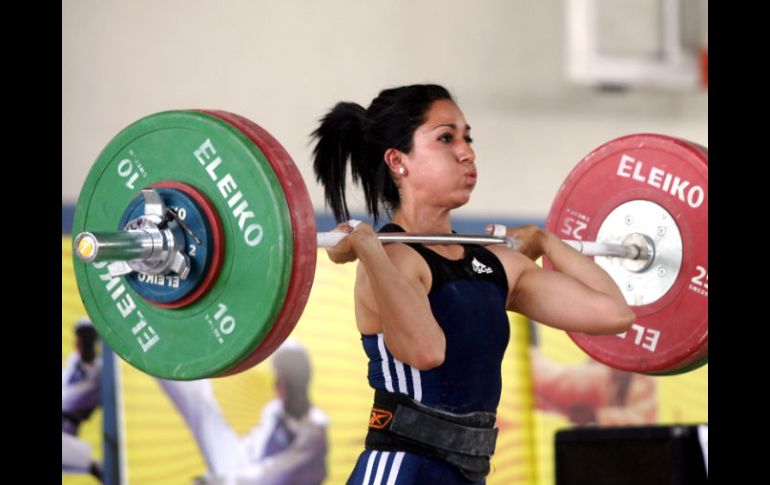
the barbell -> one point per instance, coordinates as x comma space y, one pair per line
196, 244
139, 246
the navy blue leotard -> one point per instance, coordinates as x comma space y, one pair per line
467, 298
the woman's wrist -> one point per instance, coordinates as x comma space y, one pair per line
367, 248
547, 241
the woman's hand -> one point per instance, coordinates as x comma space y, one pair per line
530, 239
359, 235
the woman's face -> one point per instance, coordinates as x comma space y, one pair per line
441, 166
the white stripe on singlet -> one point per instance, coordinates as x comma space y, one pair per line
395, 468
401, 376
369, 463
416, 384
381, 468
385, 364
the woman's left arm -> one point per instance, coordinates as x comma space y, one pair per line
578, 295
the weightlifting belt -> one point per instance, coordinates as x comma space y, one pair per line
467, 441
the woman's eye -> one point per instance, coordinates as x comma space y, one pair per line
446, 138
469, 139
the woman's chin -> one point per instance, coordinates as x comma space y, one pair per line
460, 201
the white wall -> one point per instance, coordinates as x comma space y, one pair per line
283, 64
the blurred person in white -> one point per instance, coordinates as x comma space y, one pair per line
287, 447
80, 396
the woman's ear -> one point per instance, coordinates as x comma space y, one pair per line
394, 159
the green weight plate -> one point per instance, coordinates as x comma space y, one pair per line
305, 239
223, 327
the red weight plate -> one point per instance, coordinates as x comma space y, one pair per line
305, 246
683, 369
703, 352
697, 360
702, 149
672, 331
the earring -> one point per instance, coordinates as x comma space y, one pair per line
401, 170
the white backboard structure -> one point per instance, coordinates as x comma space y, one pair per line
637, 43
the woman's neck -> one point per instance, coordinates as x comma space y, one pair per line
425, 220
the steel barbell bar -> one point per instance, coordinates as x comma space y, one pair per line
132, 245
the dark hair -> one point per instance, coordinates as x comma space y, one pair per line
85, 331
292, 364
87, 337
349, 131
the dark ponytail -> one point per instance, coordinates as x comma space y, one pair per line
349, 131
340, 136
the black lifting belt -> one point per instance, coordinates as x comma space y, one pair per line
467, 441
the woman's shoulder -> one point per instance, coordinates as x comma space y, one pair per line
406, 259
512, 261
402, 255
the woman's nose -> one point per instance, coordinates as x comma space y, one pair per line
466, 153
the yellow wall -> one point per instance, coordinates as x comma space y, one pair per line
159, 449
681, 399
71, 310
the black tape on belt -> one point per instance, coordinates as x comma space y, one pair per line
439, 433
466, 441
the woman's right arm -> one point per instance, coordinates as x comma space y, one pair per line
391, 295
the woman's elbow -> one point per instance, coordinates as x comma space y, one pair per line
617, 319
430, 357
428, 362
